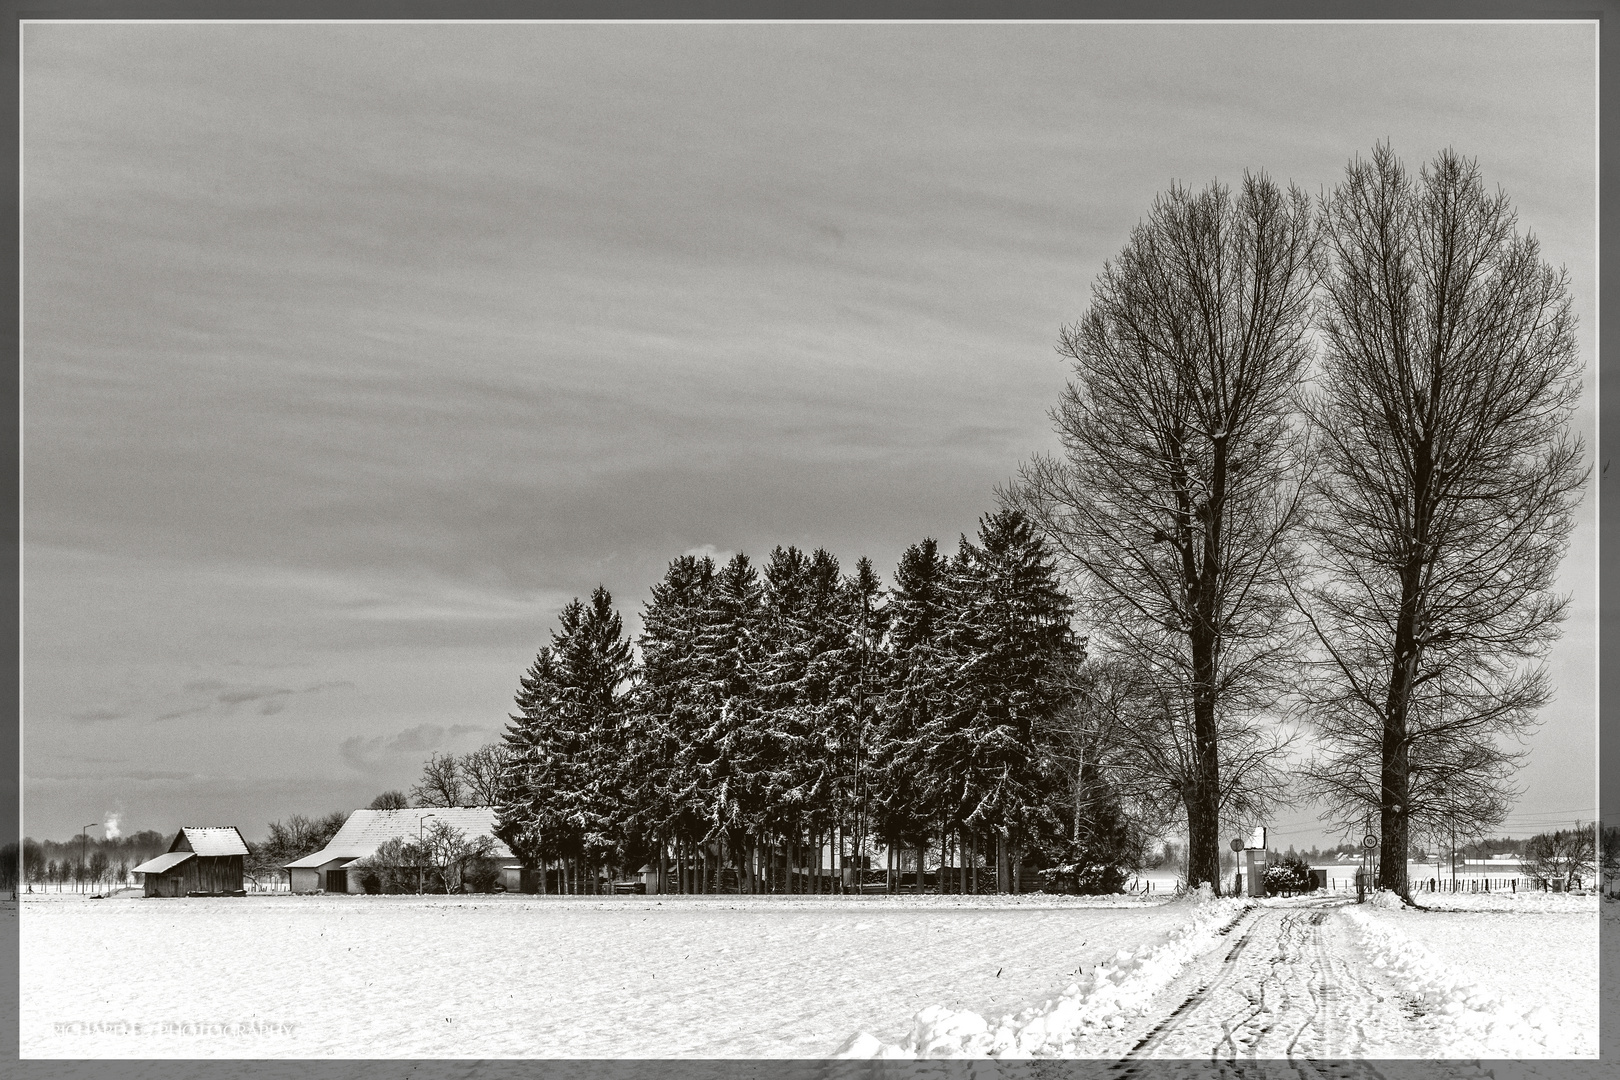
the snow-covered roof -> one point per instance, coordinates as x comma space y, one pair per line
315, 859
167, 861
367, 830
211, 840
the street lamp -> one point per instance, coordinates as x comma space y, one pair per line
419, 822
84, 843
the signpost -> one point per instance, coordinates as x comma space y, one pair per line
1237, 885
1369, 844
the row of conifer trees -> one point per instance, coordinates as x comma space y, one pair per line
778, 717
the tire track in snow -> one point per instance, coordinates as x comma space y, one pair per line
1279, 992
1164, 1028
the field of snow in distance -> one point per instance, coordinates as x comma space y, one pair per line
510, 976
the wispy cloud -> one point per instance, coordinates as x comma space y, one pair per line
97, 716
224, 698
378, 752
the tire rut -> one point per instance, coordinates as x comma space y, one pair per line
1299, 1002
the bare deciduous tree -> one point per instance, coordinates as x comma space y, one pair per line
1178, 494
448, 849
441, 783
484, 770
1562, 859
1449, 475
389, 800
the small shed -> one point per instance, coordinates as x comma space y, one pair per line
201, 861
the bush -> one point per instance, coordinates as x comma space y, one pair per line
1084, 879
1291, 874
481, 875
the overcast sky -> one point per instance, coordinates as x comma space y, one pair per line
353, 352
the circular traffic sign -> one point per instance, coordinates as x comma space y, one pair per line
1237, 844
1369, 841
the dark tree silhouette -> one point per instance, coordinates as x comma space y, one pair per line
441, 783
1177, 499
1449, 475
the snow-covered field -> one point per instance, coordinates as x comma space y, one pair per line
273, 976
283, 976
1495, 976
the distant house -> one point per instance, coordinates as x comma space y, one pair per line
201, 861
332, 869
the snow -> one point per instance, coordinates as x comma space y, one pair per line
1498, 979
1124, 984
1528, 903
510, 976
278, 976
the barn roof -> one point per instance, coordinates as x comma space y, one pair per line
367, 830
165, 862
210, 840
316, 859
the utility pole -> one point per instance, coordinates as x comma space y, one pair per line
1453, 822
84, 844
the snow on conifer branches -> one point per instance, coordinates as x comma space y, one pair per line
780, 710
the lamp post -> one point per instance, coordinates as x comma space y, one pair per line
419, 823
84, 844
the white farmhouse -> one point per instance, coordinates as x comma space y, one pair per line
327, 870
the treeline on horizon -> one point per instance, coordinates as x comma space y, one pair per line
772, 712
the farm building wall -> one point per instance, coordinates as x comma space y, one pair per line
304, 879
170, 884
213, 874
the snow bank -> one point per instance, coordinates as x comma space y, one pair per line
1386, 900
1471, 1019
1532, 901
1098, 1000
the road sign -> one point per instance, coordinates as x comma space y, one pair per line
1237, 843
1369, 841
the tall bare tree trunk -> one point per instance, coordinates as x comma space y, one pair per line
1204, 804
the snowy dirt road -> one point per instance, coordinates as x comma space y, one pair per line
1290, 985
1311, 979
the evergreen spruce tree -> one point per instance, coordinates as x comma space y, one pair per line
664, 789
1010, 643
905, 799
859, 682
565, 738
723, 753
788, 699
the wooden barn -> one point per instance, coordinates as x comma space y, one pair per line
202, 861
